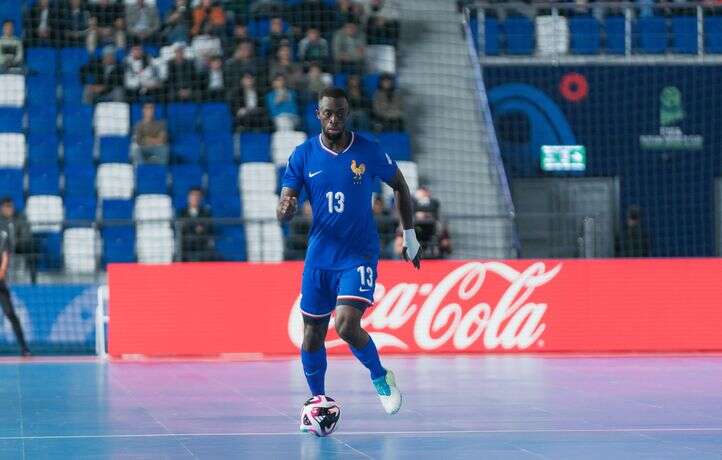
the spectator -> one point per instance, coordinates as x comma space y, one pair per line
284, 65
181, 76
41, 24
106, 25
348, 11
196, 230
204, 48
633, 241
143, 21
103, 79
177, 24
431, 232
389, 9
313, 48
349, 47
142, 80
298, 229
359, 104
21, 237
386, 224
281, 103
11, 49
151, 135
74, 24
248, 106
208, 18
243, 61
388, 105
382, 31
276, 38
241, 35
213, 82
264, 8
315, 82
311, 13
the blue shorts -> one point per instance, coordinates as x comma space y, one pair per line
322, 290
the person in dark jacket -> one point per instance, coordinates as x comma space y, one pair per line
196, 229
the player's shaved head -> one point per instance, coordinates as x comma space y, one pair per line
332, 112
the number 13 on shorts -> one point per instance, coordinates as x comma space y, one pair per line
358, 284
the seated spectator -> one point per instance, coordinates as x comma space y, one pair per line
263, 8
11, 49
313, 48
196, 229
298, 229
151, 135
143, 21
284, 65
315, 82
177, 24
103, 79
388, 107
386, 224
240, 35
213, 84
348, 11
41, 24
382, 31
349, 48
208, 18
276, 37
142, 80
633, 240
204, 48
248, 106
432, 233
281, 103
242, 62
182, 78
21, 237
311, 13
359, 104
74, 23
106, 25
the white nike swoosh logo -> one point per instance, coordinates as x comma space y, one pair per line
363, 290
311, 174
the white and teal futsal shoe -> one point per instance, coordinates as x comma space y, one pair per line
388, 392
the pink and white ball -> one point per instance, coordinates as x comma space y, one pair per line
320, 415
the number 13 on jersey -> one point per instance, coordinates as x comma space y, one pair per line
335, 202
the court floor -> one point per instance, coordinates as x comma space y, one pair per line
456, 407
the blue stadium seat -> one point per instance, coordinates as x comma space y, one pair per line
77, 122
184, 178
11, 119
71, 60
614, 34
313, 126
78, 151
44, 179
652, 34
340, 80
713, 34
164, 6
117, 209
222, 179
397, 145
79, 180
259, 28
491, 36
118, 243
584, 35
41, 90
228, 206
42, 60
185, 147
136, 112
219, 148
11, 184
231, 242
215, 118
684, 34
519, 35
42, 148
370, 83
114, 149
255, 147
43, 120
151, 179
72, 91
182, 117
50, 250
79, 208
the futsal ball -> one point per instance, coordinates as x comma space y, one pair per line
320, 415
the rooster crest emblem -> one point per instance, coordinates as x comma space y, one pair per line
358, 171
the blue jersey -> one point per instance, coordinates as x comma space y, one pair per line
339, 187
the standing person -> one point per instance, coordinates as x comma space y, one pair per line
338, 170
5, 300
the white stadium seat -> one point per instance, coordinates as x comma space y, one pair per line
115, 180
154, 245
44, 213
264, 242
112, 119
411, 174
552, 35
12, 150
12, 90
283, 143
380, 58
153, 209
257, 177
259, 205
81, 247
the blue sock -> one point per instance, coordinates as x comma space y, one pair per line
314, 367
369, 357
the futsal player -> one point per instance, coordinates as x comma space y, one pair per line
5, 300
338, 171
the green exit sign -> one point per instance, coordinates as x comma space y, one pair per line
563, 158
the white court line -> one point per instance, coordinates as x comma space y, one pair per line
364, 433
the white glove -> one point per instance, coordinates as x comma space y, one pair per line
411, 251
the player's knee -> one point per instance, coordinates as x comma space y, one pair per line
347, 329
313, 337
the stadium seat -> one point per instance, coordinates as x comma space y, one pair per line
81, 248
370, 83
12, 150
222, 178
259, 28
257, 177
153, 210
116, 210
164, 6
136, 113
44, 213
519, 35
225, 206
77, 122
44, 179
118, 244
411, 174
264, 242
713, 34
185, 177
380, 59
41, 89
552, 35
13, 90
80, 210
42, 60
42, 149
614, 34
115, 180
259, 205
340, 80
11, 184
219, 148
154, 245
231, 242
11, 119
684, 34
78, 152
42, 121
71, 60
652, 34
112, 119
255, 147
72, 91
397, 145
49, 245
215, 118
182, 117
283, 143
185, 147
79, 180
491, 36
151, 179
585, 35
114, 149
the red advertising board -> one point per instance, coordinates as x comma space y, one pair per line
448, 306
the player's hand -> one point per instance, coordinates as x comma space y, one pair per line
287, 207
412, 249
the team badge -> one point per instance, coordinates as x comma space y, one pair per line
358, 171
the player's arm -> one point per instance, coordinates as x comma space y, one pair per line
411, 251
287, 204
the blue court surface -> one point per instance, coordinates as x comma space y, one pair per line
456, 407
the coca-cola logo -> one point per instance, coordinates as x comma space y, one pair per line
453, 310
